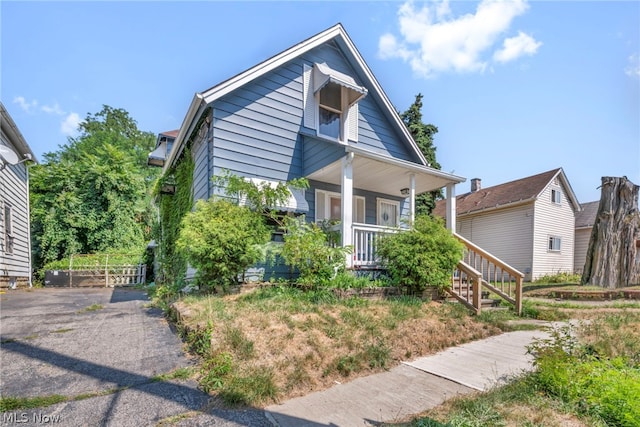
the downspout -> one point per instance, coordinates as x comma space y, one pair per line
27, 166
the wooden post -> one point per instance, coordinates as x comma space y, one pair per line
518, 295
106, 272
477, 297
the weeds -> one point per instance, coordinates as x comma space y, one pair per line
8, 403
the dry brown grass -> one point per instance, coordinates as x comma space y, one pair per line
312, 346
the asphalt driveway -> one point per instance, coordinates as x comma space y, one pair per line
102, 349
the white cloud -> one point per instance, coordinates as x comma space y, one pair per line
433, 41
515, 47
70, 124
24, 104
633, 68
53, 109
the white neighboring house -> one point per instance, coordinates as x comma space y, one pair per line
15, 233
585, 219
528, 223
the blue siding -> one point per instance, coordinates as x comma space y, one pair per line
257, 127
319, 153
370, 202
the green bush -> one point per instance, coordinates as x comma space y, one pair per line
423, 256
220, 239
604, 388
306, 247
559, 277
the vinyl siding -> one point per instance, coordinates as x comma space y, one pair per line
201, 182
505, 233
581, 245
13, 191
553, 220
369, 196
257, 128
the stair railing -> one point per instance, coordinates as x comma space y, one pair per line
480, 270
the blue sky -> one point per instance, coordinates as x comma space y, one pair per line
514, 88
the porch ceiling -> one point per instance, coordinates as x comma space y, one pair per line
382, 174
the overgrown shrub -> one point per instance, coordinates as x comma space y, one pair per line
220, 240
597, 386
559, 277
423, 256
307, 248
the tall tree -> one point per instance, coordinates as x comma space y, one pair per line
93, 194
423, 136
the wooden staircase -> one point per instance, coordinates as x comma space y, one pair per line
480, 272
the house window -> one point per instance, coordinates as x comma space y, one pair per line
8, 229
329, 207
330, 102
388, 213
554, 243
330, 111
556, 196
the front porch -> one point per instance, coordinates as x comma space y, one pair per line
396, 179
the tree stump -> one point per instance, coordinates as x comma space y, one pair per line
613, 256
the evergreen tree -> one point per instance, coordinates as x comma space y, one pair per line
423, 136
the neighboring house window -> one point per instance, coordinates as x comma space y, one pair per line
556, 196
8, 229
330, 101
329, 207
388, 212
554, 243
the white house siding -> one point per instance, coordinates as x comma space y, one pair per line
505, 233
582, 237
13, 192
553, 220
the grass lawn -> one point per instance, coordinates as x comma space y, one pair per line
293, 342
279, 342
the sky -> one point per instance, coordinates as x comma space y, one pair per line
515, 88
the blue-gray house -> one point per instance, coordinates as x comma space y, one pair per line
316, 111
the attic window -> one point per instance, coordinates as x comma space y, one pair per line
331, 102
556, 196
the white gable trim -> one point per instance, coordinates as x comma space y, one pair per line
566, 186
337, 32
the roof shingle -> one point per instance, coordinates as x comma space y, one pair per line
499, 195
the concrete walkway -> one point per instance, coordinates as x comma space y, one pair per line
413, 386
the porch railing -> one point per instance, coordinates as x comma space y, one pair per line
480, 270
365, 237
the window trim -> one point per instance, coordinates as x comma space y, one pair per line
380, 200
551, 244
327, 206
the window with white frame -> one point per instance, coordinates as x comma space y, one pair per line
556, 196
8, 229
329, 207
388, 212
555, 243
330, 101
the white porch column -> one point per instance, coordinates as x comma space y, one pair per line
451, 207
346, 206
412, 198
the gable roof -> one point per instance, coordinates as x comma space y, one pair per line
335, 33
520, 191
587, 216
